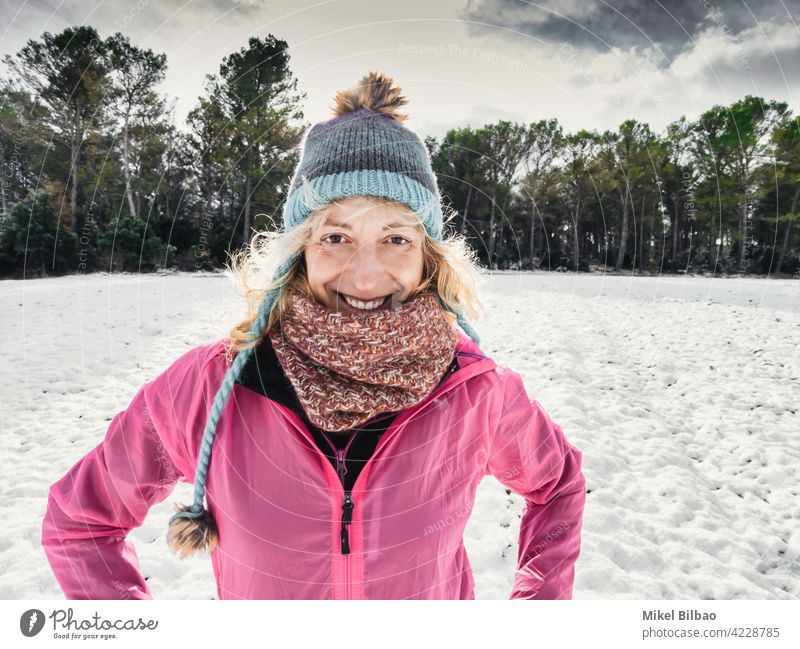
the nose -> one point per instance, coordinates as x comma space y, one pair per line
364, 271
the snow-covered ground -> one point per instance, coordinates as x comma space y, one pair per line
681, 392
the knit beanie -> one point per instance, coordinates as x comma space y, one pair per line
363, 151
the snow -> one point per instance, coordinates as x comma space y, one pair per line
682, 393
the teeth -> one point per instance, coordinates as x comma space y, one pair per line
358, 304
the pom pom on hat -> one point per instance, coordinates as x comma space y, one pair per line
377, 92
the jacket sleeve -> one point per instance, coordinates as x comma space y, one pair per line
108, 492
530, 455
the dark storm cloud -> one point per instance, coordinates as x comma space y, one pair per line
668, 25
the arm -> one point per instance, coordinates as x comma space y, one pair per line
99, 501
530, 455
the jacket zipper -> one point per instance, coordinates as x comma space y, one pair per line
346, 519
348, 504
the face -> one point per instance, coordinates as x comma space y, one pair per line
364, 256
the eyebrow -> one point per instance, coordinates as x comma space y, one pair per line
346, 226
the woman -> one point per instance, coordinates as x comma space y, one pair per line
350, 421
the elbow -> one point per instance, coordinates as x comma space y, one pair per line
574, 484
51, 523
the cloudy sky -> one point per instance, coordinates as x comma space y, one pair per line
590, 63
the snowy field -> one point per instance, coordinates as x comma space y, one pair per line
681, 392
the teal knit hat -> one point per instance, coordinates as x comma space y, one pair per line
363, 151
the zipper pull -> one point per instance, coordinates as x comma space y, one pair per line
341, 465
347, 517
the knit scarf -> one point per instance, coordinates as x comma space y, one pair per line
346, 368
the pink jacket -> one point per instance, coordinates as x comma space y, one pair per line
277, 500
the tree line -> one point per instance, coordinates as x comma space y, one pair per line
97, 176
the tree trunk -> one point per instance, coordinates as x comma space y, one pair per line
74, 168
533, 231
127, 169
785, 244
501, 234
689, 240
252, 158
247, 209
491, 236
642, 259
675, 224
466, 211
743, 223
712, 251
623, 233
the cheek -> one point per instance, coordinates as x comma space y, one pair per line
317, 267
410, 273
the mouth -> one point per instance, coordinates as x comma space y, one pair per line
355, 305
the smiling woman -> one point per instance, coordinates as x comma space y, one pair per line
351, 421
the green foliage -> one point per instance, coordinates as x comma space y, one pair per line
33, 242
256, 97
129, 246
83, 117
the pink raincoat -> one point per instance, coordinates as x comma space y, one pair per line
277, 500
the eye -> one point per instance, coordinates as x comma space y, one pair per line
402, 240
327, 238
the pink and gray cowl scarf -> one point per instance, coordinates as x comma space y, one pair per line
347, 368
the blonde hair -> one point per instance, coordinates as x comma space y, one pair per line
450, 268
